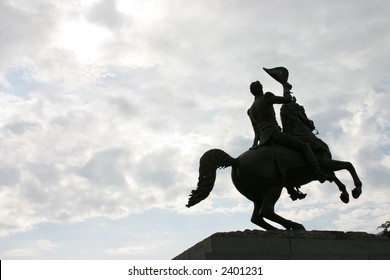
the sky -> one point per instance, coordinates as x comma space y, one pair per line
107, 106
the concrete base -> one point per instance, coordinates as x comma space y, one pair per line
294, 245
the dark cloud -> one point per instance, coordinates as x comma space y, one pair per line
20, 127
9, 176
104, 168
158, 168
105, 13
26, 29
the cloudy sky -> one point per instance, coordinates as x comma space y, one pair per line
107, 106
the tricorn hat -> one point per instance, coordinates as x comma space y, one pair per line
278, 73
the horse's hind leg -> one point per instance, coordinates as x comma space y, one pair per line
268, 209
257, 219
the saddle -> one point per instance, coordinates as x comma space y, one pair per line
289, 162
287, 159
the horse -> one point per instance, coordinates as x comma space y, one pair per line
260, 174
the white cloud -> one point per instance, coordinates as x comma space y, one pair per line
134, 249
108, 105
33, 249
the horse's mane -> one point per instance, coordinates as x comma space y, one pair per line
289, 116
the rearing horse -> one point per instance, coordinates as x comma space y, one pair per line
260, 174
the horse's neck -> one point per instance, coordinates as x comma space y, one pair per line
300, 129
291, 122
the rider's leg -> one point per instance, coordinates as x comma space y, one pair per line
287, 140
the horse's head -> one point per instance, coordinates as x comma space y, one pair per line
295, 121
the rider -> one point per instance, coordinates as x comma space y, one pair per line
262, 115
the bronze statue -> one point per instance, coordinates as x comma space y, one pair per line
289, 158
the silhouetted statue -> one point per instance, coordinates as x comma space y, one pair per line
289, 158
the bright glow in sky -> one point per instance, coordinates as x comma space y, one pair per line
84, 39
142, 12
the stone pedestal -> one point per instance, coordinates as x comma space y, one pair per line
294, 245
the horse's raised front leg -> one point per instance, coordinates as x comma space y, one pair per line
344, 196
268, 209
336, 165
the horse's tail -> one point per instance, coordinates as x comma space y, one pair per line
209, 163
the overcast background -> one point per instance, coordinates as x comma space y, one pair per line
107, 106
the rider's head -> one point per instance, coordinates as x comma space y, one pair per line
256, 88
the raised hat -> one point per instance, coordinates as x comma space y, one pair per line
278, 73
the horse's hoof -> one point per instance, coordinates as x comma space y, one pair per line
356, 192
296, 226
344, 197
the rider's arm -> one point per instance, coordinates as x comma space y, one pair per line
278, 99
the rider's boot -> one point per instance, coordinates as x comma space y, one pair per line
295, 193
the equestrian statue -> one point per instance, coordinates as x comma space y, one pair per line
279, 158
